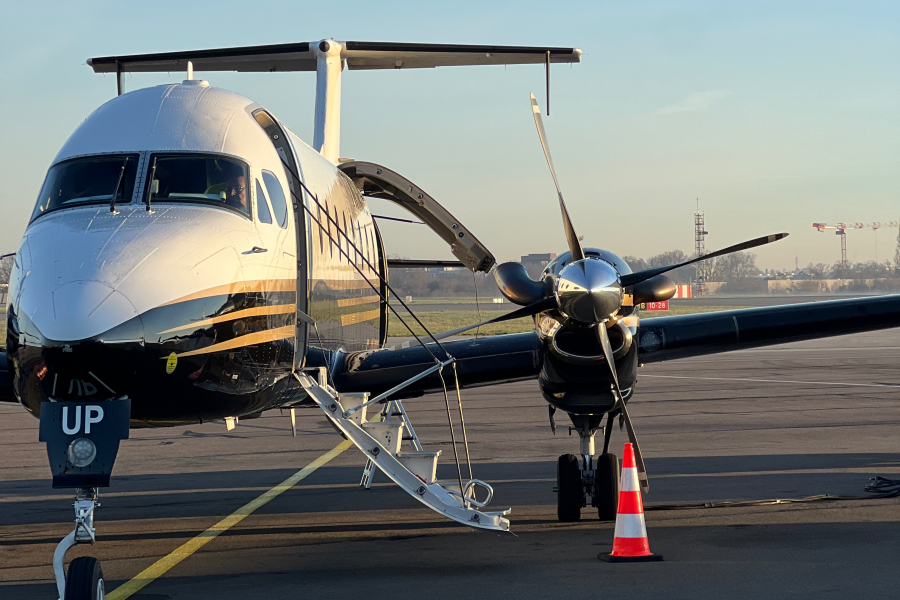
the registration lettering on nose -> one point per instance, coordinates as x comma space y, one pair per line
92, 415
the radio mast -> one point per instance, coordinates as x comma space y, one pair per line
700, 234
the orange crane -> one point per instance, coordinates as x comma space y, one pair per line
841, 230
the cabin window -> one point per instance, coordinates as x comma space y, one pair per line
199, 179
91, 180
262, 207
276, 195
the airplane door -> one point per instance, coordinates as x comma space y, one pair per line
298, 226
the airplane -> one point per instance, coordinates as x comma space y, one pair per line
191, 259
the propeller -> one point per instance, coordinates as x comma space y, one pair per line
587, 291
646, 274
603, 337
571, 237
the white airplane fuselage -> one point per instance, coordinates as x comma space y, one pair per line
189, 308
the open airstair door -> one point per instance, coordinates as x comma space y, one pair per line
380, 182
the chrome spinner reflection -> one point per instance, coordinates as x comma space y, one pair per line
589, 291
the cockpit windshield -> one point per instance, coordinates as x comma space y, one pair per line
91, 180
199, 179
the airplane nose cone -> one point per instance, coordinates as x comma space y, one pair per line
589, 291
79, 310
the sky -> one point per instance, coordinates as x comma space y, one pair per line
773, 114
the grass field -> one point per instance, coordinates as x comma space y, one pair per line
445, 320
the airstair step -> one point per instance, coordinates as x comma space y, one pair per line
422, 464
387, 434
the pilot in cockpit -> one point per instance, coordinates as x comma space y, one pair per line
236, 192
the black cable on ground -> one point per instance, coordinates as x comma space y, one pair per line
879, 488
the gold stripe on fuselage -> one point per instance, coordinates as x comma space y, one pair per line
257, 311
259, 337
357, 301
241, 287
354, 318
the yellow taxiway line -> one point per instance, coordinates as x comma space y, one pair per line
160, 567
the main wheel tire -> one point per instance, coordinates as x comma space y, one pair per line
84, 581
570, 490
606, 487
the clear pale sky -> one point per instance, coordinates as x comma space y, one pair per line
774, 114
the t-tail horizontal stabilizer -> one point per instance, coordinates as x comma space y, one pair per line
328, 59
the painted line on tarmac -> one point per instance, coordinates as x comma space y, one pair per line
767, 350
160, 567
886, 385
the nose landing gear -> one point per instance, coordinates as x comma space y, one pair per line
588, 477
84, 580
82, 443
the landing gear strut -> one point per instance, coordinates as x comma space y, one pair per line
84, 580
587, 477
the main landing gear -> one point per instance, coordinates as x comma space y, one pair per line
588, 477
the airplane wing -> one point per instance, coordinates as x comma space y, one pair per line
667, 338
518, 356
358, 55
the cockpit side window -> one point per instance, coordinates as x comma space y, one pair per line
199, 179
276, 195
89, 180
262, 207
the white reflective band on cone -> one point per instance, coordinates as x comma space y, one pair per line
629, 481
630, 526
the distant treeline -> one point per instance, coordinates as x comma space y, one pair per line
737, 271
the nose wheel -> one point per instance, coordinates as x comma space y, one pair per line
84, 580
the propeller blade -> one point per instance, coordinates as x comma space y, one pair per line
571, 236
525, 311
638, 457
640, 276
603, 337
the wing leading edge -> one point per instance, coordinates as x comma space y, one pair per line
668, 338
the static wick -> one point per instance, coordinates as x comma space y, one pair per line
548, 82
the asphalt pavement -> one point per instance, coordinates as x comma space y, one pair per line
783, 422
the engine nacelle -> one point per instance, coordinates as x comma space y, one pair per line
517, 285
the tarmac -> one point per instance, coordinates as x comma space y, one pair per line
788, 421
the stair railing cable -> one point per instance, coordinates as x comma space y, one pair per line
350, 242
462, 420
440, 364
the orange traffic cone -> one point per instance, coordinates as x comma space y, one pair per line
630, 543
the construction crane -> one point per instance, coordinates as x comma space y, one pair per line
841, 230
